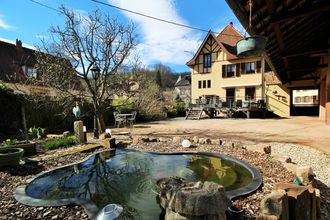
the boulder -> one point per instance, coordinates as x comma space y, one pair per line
202, 141
276, 204
261, 148
66, 134
192, 200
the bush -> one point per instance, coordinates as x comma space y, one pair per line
61, 142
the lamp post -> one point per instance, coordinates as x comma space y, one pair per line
96, 71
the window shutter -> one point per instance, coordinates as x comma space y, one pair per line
242, 68
223, 71
258, 66
238, 70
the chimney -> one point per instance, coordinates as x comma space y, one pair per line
18, 43
231, 23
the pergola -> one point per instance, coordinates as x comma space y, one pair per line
298, 42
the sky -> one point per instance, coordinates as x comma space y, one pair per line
158, 42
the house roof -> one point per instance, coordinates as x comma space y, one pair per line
226, 39
12, 57
183, 80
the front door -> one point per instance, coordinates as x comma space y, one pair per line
230, 96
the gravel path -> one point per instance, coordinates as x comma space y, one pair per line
305, 156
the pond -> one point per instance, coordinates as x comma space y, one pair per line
129, 178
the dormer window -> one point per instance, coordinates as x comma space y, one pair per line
207, 60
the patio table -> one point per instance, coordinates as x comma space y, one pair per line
125, 116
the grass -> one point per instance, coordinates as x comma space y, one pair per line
61, 142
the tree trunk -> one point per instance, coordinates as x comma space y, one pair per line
101, 123
25, 131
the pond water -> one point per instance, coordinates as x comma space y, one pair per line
129, 178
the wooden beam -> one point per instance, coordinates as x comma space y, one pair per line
306, 52
305, 69
307, 10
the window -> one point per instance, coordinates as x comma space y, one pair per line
208, 83
306, 99
297, 99
250, 93
30, 72
250, 67
228, 70
199, 84
207, 60
204, 84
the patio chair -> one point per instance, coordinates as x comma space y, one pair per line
118, 120
131, 120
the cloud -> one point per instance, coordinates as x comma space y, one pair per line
159, 41
4, 24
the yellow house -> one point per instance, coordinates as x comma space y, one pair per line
218, 75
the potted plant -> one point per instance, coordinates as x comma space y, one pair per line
235, 211
10, 156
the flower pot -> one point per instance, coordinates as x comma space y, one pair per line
10, 156
28, 147
234, 214
251, 46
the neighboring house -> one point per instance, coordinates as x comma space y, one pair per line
183, 87
17, 65
218, 75
16, 62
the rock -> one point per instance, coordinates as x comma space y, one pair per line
107, 135
207, 141
299, 200
192, 199
177, 139
78, 131
54, 217
137, 140
195, 139
202, 141
109, 143
145, 139
66, 134
261, 148
216, 142
282, 159
305, 173
163, 139
153, 139
46, 213
276, 203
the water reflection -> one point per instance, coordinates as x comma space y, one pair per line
129, 179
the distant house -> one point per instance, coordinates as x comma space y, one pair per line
219, 76
183, 87
16, 62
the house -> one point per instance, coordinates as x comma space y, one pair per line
219, 76
297, 48
182, 87
17, 67
16, 62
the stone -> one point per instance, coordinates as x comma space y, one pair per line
195, 139
66, 134
163, 139
299, 200
153, 139
78, 131
207, 141
275, 203
177, 139
261, 148
216, 142
282, 159
137, 140
305, 173
107, 135
109, 143
145, 139
202, 141
193, 200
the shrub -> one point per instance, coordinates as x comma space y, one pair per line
35, 133
61, 142
8, 142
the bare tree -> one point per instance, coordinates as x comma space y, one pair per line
86, 42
